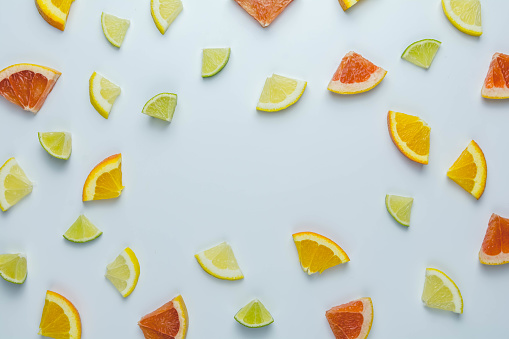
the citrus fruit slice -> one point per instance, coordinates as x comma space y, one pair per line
161, 106
355, 74
13, 267
470, 170
318, 253
103, 94
351, 320
27, 85
114, 28
82, 231
57, 144
60, 319
164, 12
214, 60
169, 321
220, 262
254, 315
14, 184
105, 180
496, 83
55, 12
279, 93
346, 4
400, 208
465, 15
441, 292
124, 272
422, 52
495, 246
264, 11
411, 136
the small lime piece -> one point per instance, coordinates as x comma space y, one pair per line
214, 60
254, 315
82, 231
162, 106
13, 268
422, 52
57, 144
114, 28
400, 208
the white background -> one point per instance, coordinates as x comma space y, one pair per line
223, 171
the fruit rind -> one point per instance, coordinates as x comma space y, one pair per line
16, 281
71, 312
220, 66
465, 28
451, 286
243, 311
400, 144
405, 55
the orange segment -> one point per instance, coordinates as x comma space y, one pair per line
55, 12
169, 321
264, 11
105, 180
497, 80
410, 134
351, 320
470, 170
495, 246
60, 319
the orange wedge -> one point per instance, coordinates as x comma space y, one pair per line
169, 321
497, 80
495, 246
410, 134
60, 319
318, 253
105, 180
470, 170
352, 320
55, 12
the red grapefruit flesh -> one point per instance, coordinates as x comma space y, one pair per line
169, 321
351, 320
497, 80
495, 247
264, 11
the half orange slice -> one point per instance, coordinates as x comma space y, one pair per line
105, 180
470, 170
352, 320
410, 134
497, 80
60, 319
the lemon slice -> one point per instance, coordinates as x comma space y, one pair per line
422, 52
164, 12
82, 231
441, 292
161, 106
254, 315
114, 28
102, 94
13, 268
124, 272
214, 60
400, 208
465, 15
57, 144
14, 184
280, 92
219, 261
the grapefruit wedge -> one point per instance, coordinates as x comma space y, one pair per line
355, 74
351, 320
497, 80
169, 321
495, 247
264, 11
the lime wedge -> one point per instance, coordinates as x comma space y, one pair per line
13, 268
254, 315
400, 208
57, 144
214, 60
82, 231
422, 52
162, 106
114, 28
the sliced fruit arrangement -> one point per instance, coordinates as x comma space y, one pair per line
351, 320
422, 52
14, 184
164, 12
114, 28
441, 292
495, 246
220, 262
13, 267
470, 170
168, 321
124, 272
264, 11
496, 84
254, 315
82, 230
318, 253
355, 74
57, 144
103, 94
105, 180
161, 106
346, 4
55, 12
400, 208
280, 92
411, 135
465, 15
60, 319
214, 60
27, 85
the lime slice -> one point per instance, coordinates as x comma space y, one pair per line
280, 92
114, 28
441, 292
14, 184
13, 268
254, 315
124, 272
82, 231
162, 106
103, 94
422, 52
220, 262
57, 144
214, 60
400, 208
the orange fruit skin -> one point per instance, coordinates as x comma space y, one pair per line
497, 80
391, 123
352, 320
166, 322
264, 11
71, 307
109, 160
495, 246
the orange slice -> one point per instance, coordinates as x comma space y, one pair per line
169, 321
495, 247
355, 74
60, 319
55, 12
351, 320
410, 134
346, 4
497, 80
470, 170
105, 180
264, 11
318, 253
27, 85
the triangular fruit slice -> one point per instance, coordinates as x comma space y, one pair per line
55, 12
27, 85
470, 170
60, 319
497, 80
264, 11
351, 320
169, 321
495, 247
346, 4
105, 180
355, 74
410, 134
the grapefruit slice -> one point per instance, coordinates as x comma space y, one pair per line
264, 11
351, 320
27, 85
355, 74
495, 247
497, 80
169, 321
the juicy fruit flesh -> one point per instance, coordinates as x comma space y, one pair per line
400, 207
114, 28
350, 320
109, 90
254, 314
413, 131
109, 185
469, 170
422, 53
214, 60
222, 257
60, 319
498, 74
496, 240
162, 106
15, 185
438, 292
468, 10
81, 230
166, 321
164, 12
354, 68
264, 11
118, 273
57, 143
277, 88
13, 267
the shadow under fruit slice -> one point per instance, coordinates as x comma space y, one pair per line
264, 11
495, 246
351, 320
169, 321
